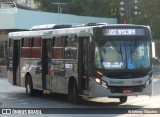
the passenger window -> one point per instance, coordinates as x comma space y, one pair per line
36, 42
57, 49
70, 53
71, 47
26, 42
71, 42
57, 42
57, 53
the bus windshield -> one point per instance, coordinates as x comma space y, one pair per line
124, 54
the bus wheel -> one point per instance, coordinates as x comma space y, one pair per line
29, 86
123, 99
73, 92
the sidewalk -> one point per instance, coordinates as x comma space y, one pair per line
3, 71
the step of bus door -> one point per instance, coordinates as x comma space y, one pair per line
85, 97
46, 91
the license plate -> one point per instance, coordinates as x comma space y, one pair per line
126, 91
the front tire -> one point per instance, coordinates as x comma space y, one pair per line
73, 92
123, 99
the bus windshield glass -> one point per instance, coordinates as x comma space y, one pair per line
124, 54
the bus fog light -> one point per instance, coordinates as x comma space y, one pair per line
98, 80
147, 83
104, 84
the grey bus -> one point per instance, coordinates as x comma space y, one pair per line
87, 61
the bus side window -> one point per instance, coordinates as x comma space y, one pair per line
26, 42
37, 42
35, 47
70, 48
57, 42
57, 49
71, 42
25, 48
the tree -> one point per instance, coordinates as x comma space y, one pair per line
101, 8
46, 5
148, 10
150, 15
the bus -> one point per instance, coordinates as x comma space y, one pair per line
84, 62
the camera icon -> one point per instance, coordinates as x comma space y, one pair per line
6, 111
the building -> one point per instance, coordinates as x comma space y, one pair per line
24, 3
18, 19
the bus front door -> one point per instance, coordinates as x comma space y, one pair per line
84, 63
46, 63
16, 62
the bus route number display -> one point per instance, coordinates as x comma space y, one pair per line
119, 32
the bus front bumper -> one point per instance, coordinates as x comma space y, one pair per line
98, 90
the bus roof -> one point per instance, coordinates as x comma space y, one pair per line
62, 31
50, 26
60, 26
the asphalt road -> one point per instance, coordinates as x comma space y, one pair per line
13, 97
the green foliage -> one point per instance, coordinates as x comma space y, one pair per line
148, 10
99, 8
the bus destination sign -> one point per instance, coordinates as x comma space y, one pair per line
122, 32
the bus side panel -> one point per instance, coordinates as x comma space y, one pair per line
70, 68
62, 73
58, 76
33, 67
35, 71
24, 62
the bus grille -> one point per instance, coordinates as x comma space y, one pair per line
119, 89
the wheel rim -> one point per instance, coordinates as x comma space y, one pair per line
123, 99
28, 87
73, 93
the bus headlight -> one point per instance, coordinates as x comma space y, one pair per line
101, 82
98, 80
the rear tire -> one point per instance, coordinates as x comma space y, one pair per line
123, 99
29, 86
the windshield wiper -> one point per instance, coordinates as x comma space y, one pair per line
131, 52
133, 49
121, 52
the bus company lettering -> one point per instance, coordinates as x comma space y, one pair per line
122, 32
114, 82
113, 64
26, 111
